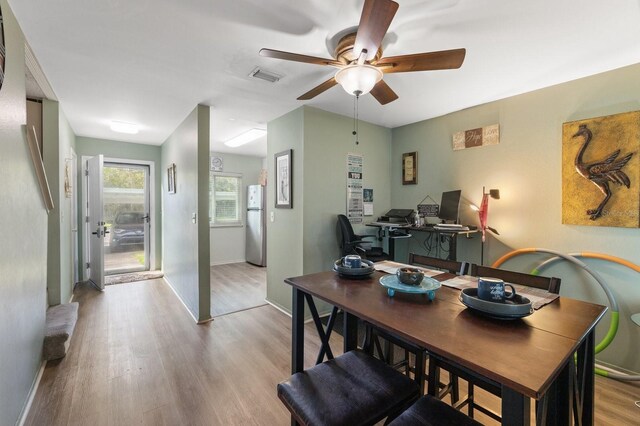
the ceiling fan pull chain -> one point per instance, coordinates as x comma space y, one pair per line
355, 119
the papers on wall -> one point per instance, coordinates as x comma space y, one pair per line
368, 201
355, 207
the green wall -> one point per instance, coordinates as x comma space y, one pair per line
185, 242
303, 240
327, 140
58, 141
526, 167
284, 234
23, 252
129, 151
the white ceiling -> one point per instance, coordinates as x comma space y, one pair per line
151, 61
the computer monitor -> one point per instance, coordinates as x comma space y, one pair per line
449, 206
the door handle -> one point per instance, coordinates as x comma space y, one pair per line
101, 232
146, 217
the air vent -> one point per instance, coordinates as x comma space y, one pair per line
262, 74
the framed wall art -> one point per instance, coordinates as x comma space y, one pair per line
410, 168
284, 182
601, 171
171, 179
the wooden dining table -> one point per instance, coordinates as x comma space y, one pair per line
547, 357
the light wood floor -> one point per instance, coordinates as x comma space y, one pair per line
137, 357
237, 286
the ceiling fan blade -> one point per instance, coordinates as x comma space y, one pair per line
288, 56
442, 60
374, 23
383, 93
318, 89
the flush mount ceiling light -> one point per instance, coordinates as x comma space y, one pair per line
123, 127
358, 79
246, 137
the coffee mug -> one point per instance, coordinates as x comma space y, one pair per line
492, 290
352, 261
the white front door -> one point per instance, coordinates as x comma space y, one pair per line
126, 199
96, 224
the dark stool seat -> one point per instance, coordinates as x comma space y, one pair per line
351, 389
431, 411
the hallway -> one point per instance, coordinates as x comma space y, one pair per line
236, 287
137, 357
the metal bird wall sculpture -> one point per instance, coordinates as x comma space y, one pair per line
601, 173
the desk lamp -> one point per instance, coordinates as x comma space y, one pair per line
483, 214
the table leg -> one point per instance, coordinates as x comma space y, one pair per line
516, 408
585, 381
434, 377
392, 248
453, 247
350, 332
555, 406
419, 370
297, 331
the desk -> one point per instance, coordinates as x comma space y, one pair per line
528, 358
391, 231
451, 234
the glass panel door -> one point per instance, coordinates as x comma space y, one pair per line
126, 213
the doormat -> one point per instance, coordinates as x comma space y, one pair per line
131, 277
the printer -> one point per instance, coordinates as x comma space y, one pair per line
399, 216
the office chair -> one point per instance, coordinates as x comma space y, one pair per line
350, 243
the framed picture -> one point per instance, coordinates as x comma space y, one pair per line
171, 179
410, 168
284, 183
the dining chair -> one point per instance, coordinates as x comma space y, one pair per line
387, 353
550, 284
430, 411
451, 266
351, 389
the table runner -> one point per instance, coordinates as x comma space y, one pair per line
538, 297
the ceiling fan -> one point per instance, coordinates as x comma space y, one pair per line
358, 57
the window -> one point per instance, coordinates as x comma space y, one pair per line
225, 199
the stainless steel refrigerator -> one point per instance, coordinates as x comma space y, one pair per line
256, 229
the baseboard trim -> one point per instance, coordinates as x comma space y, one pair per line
278, 307
227, 262
287, 313
615, 368
32, 393
180, 299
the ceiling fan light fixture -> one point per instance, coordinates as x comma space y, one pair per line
358, 79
